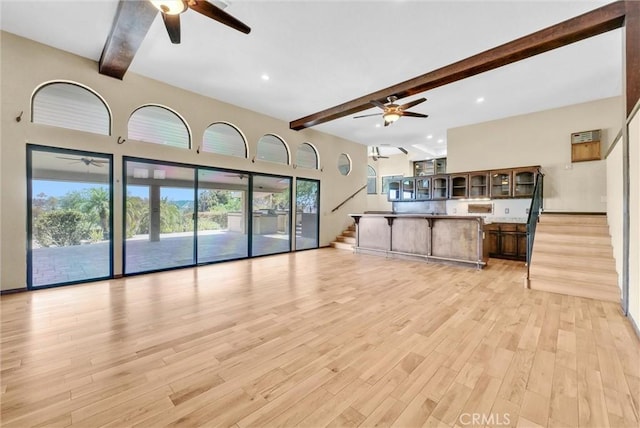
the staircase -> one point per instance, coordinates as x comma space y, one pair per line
346, 240
572, 254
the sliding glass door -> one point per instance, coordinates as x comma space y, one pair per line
222, 215
307, 209
159, 216
271, 221
70, 216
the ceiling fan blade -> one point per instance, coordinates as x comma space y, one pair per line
411, 114
172, 23
412, 103
367, 115
67, 158
403, 150
94, 163
378, 104
387, 123
130, 25
209, 10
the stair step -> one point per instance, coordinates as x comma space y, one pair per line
342, 246
572, 248
350, 233
573, 218
593, 276
570, 260
572, 229
346, 239
575, 288
563, 238
352, 228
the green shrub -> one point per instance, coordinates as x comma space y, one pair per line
61, 228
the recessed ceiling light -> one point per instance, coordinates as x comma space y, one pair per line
429, 137
480, 100
265, 76
378, 125
440, 141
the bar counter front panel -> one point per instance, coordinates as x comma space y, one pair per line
438, 238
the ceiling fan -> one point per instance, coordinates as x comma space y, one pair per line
171, 10
86, 161
392, 112
375, 154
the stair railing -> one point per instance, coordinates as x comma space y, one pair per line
534, 214
349, 198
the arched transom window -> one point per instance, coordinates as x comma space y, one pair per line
159, 125
307, 156
224, 139
72, 106
272, 148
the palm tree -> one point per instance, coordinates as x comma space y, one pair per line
97, 205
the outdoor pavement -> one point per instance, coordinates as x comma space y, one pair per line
55, 265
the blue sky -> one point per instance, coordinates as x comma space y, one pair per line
61, 188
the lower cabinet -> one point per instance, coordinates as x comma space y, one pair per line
506, 240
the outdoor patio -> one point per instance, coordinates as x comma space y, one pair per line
56, 265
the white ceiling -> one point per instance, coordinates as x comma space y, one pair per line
322, 53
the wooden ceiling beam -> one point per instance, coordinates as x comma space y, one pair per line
130, 25
598, 21
632, 54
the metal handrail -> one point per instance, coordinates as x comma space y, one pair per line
349, 198
534, 213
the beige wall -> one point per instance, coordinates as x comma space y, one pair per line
634, 219
26, 64
542, 138
614, 203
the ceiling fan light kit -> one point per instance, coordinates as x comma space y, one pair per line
170, 7
392, 112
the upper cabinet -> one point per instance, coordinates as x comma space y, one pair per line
423, 188
459, 185
501, 183
496, 184
439, 187
430, 167
524, 181
479, 184
513, 183
408, 189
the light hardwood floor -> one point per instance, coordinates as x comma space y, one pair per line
317, 338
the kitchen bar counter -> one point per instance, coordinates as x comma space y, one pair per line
433, 238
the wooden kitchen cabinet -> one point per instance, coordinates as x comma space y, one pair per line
506, 240
524, 181
459, 185
479, 184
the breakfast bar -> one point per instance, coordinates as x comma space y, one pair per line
432, 238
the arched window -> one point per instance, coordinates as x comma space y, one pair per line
307, 156
273, 149
371, 180
224, 139
72, 106
344, 164
159, 125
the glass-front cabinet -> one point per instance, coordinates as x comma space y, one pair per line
408, 189
459, 186
501, 183
430, 167
439, 187
524, 180
423, 189
393, 193
479, 184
